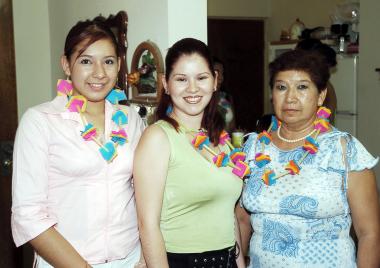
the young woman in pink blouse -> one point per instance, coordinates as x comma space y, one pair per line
73, 198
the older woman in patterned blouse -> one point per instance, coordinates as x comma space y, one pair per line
309, 180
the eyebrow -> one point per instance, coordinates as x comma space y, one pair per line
89, 56
175, 74
279, 80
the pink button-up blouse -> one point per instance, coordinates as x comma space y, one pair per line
61, 180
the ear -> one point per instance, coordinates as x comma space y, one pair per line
65, 65
165, 84
118, 64
322, 97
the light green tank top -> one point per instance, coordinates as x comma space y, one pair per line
199, 199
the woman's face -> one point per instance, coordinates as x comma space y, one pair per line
296, 97
190, 86
94, 72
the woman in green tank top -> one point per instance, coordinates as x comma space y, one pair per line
185, 203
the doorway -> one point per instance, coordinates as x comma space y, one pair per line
10, 256
239, 44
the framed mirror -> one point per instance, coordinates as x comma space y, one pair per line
118, 24
146, 72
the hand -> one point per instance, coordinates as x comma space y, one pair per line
140, 264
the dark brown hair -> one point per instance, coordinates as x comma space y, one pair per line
312, 44
89, 31
212, 120
310, 62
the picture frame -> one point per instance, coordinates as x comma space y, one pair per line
119, 25
147, 64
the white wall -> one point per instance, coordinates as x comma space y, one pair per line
369, 80
32, 53
40, 45
311, 13
187, 20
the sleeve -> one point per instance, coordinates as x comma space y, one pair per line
30, 216
357, 156
249, 147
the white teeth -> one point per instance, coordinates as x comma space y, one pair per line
193, 100
95, 85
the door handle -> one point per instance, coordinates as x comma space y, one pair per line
7, 163
6, 153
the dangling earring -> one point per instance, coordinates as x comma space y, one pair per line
65, 87
169, 110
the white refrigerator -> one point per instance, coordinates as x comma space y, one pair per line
345, 83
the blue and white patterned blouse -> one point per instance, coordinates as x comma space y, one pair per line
304, 220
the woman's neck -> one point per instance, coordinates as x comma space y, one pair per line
188, 121
290, 132
290, 136
95, 108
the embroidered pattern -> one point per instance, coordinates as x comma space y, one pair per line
279, 239
299, 205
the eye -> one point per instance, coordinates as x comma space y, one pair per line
302, 87
109, 61
280, 87
203, 77
180, 79
85, 61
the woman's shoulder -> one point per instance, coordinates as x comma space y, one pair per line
357, 156
155, 138
336, 135
162, 123
154, 132
249, 146
250, 140
166, 127
38, 113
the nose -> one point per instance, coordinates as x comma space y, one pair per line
291, 95
99, 71
192, 87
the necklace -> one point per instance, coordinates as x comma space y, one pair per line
293, 167
78, 104
295, 140
234, 159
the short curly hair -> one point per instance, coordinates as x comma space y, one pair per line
310, 62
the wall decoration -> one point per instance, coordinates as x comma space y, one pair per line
146, 72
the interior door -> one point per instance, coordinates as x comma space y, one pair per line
240, 45
9, 255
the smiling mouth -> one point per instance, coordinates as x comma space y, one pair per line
193, 99
96, 86
290, 110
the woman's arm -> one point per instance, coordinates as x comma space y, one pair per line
149, 173
245, 228
240, 257
57, 251
31, 218
364, 204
